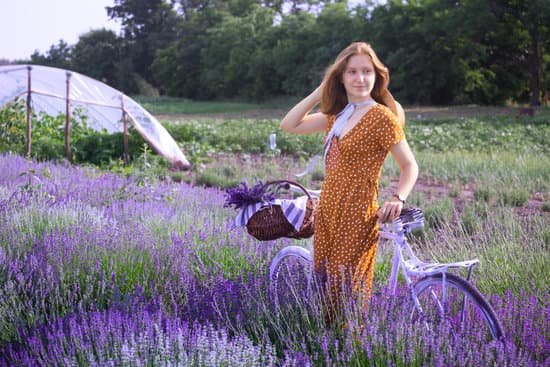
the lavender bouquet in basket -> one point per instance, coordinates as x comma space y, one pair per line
243, 195
271, 222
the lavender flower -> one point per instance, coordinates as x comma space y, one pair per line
243, 195
103, 270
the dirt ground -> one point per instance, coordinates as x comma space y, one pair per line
438, 190
411, 112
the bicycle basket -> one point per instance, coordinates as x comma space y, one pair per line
270, 222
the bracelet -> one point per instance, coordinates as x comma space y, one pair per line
398, 197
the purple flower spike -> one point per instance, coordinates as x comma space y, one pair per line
243, 195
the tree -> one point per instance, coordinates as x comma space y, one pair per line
97, 54
148, 25
230, 60
445, 52
57, 56
534, 17
178, 67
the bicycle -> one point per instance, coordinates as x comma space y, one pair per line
437, 295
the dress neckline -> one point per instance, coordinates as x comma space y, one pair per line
342, 137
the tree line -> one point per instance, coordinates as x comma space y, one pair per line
438, 51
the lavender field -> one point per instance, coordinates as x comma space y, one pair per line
100, 269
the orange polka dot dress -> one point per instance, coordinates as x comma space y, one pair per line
346, 231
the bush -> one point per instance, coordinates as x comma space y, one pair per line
46, 148
439, 214
100, 148
13, 127
514, 197
483, 194
213, 178
48, 137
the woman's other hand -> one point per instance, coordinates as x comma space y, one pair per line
389, 210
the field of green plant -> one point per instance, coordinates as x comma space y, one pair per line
112, 265
171, 106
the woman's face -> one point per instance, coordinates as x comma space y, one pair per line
358, 78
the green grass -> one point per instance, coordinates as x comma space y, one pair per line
170, 105
474, 135
512, 250
503, 177
488, 172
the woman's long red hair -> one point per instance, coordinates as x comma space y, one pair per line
334, 97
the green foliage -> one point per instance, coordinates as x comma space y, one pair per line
148, 26
12, 136
100, 148
483, 194
58, 56
234, 40
178, 66
48, 137
48, 132
514, 197
201, 139
481, 134
223, 177
96, 54
505, 244
530, 18
472, 216
481, 52
294, 54
546, 238
48, 148
171, 105
502, 170
439, 214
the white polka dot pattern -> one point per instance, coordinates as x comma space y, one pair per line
346, 232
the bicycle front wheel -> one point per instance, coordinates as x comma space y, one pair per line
457, 302
290, 275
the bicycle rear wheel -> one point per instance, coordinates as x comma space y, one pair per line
458, 303
290, 275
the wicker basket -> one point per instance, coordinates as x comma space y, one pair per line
270, 223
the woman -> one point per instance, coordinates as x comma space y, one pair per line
362, 123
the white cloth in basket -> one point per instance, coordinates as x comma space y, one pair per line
293, 209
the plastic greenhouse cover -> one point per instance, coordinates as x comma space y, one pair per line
102, 104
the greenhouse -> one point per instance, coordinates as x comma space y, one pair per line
54, 91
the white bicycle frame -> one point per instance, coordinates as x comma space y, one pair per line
405, 260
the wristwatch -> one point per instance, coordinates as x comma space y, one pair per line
399, 197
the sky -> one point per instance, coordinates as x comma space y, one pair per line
29, 25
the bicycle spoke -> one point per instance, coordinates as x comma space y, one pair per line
456, 304
291, 282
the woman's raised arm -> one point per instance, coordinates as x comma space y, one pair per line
299, 120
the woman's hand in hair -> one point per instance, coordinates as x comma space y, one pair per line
300, 120
318, 92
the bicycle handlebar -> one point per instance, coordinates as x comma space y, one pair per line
409, 219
